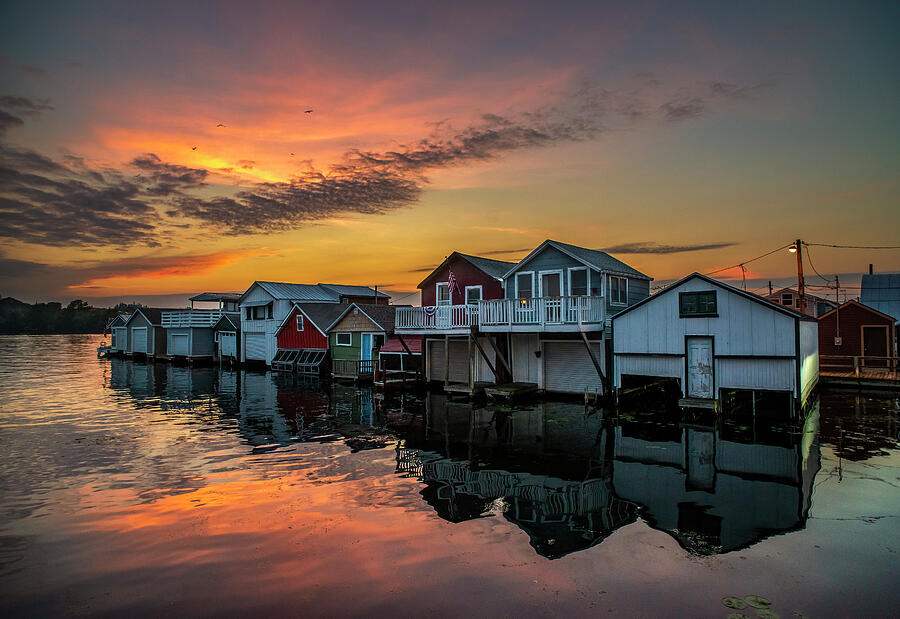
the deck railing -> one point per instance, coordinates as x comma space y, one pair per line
352, 368
442, 317
541, 311
858, 365
191, 318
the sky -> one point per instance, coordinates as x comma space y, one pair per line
172, 148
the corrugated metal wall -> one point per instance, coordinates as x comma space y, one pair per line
755, 374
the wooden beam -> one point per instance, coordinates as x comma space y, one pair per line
446, 360
596, 363
471, 365
403, 343
500, 356
486, 359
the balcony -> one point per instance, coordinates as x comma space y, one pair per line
190, 318
542, 314
444, 319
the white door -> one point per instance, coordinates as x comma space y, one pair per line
179, 344
525, 365
228, 344
255, 344
568, 367
139, 339
700, 368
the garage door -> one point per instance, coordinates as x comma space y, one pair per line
178, 344
228, 344
459, 361
568, 367
256, 346
139, 339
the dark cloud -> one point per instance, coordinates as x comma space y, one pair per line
500, 252
32, 71
683, 109
427, 269
649, 247
245, 164
8, 121
24, 105
166, 179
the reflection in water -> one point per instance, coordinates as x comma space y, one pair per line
126, 488
569, 479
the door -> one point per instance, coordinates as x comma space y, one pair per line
121, 338
875, 344
568, 367
700, 368
228, 344
525, 364
179, 345
139, 339
551, 290
256, 346
365, 351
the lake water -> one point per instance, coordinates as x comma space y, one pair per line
138, 489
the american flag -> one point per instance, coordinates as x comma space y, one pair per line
452, 281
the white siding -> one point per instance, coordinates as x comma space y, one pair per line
774, 374
809, 357
227, 343
482, 369
435, 353
139, 339
121, 338
179, 344
526, 366
644, 365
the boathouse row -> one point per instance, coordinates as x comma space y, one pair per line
713, 338
541, 323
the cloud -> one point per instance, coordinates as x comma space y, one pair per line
499, 252
32, 71
72, 203
650, 247
245, 164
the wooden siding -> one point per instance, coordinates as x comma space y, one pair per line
773, 374
356, 323
200, 341
310, 337
466, 275
647, 365
155, 338
345, 353
551, 259
638, 290
853, 318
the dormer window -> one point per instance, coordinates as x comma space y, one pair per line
299, 322
787, 298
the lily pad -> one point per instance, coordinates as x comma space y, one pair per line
757, 601
734, 602
765, 613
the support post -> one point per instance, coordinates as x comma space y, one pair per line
500, 357
471, 365
446, 360
596, 363
801, 284
485, 357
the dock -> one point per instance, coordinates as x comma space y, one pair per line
868, 378
510, 391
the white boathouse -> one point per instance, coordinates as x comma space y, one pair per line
713, 338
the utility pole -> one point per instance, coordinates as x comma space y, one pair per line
837, 312
801, 285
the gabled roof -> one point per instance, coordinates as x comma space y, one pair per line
794, 291
380, 315
488, 266
321, 315
353, 291
232, 318
726, 287
881, 291
216, 296
120, 318
593, 258
152, 314
329, 293
858, 304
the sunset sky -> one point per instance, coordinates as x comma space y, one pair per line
679, 137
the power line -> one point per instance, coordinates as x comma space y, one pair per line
809, 258
854, 246
741, 264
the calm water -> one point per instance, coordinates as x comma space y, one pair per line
134, 489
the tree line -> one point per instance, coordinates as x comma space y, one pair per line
17, 317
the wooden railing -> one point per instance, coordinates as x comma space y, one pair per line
352, 368
190, 318
859, 365
541, 311
440, 317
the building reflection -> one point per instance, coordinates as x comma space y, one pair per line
567, 477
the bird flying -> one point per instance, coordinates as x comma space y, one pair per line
221, 125
308, 112
194, 148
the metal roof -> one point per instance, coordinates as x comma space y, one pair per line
594, 258
297, 292
881, 291
494, 268
216, 296
321, 314
355, 291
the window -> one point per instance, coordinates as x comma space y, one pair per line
443, 294
473, 295
787, 298
343, 339
259, 312
618, 290
249, 313
299, 322
578, 282
697, 304
524, 285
